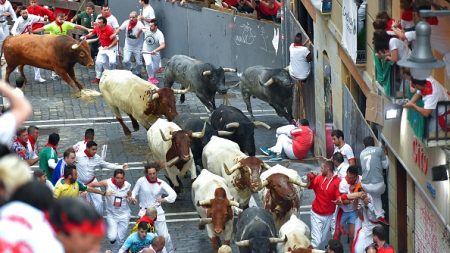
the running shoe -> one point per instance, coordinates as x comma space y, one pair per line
266, 151
276, 158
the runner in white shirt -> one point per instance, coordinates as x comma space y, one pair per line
23, 26
342, 147
86, 164
147, 13
365, 223
153, 43
6, 10
341, 166
150, 189
117, 207
133, 42
110, 18
300, 57
80, 146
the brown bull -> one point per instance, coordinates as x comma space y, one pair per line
57, 53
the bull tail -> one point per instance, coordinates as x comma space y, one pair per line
89, 95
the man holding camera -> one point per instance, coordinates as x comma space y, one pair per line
133, 42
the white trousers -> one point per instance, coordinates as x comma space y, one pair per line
37, 73
376, 190
128, 52
363, 236
4, 32
106, 59
96, 200
151, 63
117, 230
320, 226
284, 141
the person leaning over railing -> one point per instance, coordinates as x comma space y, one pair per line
244, 6
267, 9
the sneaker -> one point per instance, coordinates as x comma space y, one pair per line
40, 80
383, 221
276, 158
266, 151
95, 81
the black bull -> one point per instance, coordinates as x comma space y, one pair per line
273, 86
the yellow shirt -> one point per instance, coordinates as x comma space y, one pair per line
68, 190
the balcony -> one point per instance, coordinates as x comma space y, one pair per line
389, 78
437, 126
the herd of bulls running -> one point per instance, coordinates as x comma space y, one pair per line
224, 147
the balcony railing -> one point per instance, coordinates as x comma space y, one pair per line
437, 126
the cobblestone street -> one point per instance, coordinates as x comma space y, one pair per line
55, 109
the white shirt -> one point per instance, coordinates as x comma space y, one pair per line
341, 170
152, 40
22, 26
148, 13
79, 148
86, 167
130, 42
344, 188
117, 204
24, 224
8, 129
299, 67
432, 97
111, 21
148, 193
403, 49
346, 151
7, 7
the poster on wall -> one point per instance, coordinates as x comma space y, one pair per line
349, 31
430, 233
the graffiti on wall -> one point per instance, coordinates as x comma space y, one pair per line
431, 235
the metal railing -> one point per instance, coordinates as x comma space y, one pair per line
436, 127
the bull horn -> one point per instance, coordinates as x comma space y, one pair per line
229, 70
243, 243
232, 125
298, 182
164, 137
76, 46
260, 123
224, 133
233, 169
264, 183
233, 203
266, 166
204, 221
277, 240
183, 91
172, 161
200, 134
268, 83
155, 96
206, 73
204, 202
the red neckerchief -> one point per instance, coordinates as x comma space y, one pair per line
113, 180
428, 90
52, 146
60, 25
432, 21
131, 25
352, 185
152, 182
87, 154
298, 44
21, 142
32, 141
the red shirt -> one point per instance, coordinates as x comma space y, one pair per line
104, 34
386, 249
40, 11
267, 10
327, 191
302, 140
231, 2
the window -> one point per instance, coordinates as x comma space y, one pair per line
305, 20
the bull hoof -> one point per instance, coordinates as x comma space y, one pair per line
77, 94
136, 128
127, 133
201, 226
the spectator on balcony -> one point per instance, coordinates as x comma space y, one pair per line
266, 9
431, 92
388, 20
389, 47
244, 6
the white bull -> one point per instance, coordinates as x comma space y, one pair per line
241, 172
142, 102
210, 196
298, 236
171, 145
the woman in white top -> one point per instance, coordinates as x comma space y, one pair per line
390, 47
